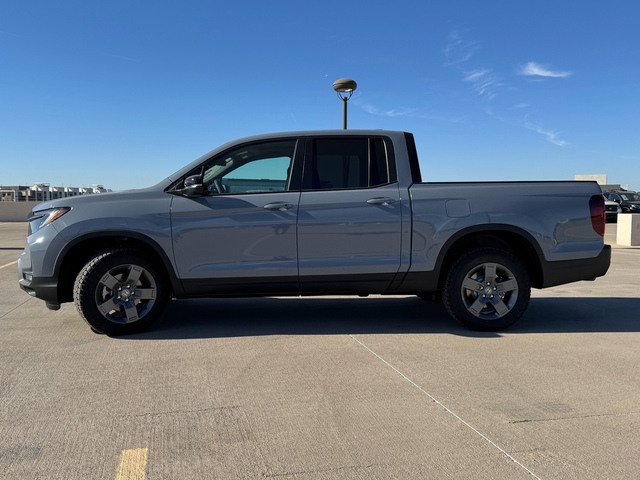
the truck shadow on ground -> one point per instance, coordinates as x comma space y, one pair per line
218, 318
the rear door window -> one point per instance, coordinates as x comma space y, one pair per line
348, 163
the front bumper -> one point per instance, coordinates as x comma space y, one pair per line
44, 288
36, 272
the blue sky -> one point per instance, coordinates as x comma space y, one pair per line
124, 93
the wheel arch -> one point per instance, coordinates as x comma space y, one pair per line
77, 253
516, 241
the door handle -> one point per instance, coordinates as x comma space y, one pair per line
280, 206
381, 201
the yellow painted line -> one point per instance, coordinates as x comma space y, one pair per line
133, 464
8, 264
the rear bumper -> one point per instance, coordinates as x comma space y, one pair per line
567, 271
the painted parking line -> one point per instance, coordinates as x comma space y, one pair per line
8, 265
133, 464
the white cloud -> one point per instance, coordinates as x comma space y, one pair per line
120, 57
404, 112
550, 135
394, 112
484, 81
458, 50
533, 69
11, 34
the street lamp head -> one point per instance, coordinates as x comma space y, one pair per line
344, 86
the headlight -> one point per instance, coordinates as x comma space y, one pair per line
40, 219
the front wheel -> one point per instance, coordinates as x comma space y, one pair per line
487, 289
120, 292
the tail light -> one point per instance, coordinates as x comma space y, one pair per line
598, 218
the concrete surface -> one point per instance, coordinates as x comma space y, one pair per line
324, 388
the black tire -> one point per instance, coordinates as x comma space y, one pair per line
120, 292
487, 289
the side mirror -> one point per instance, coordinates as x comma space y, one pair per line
192, 187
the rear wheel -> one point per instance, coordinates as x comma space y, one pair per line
487, 289
120, 292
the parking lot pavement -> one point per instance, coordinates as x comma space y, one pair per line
324, 388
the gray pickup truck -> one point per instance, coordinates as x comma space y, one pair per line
313, 213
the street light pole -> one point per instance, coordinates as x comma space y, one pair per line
344, 88
344, 112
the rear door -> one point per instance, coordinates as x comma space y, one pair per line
349, 216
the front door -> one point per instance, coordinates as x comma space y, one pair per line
240, 237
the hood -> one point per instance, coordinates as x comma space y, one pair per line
90, 198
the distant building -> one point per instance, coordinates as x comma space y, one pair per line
600, 178
602, 181
42, 192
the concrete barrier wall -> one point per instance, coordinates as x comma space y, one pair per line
628, 229
15, 211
